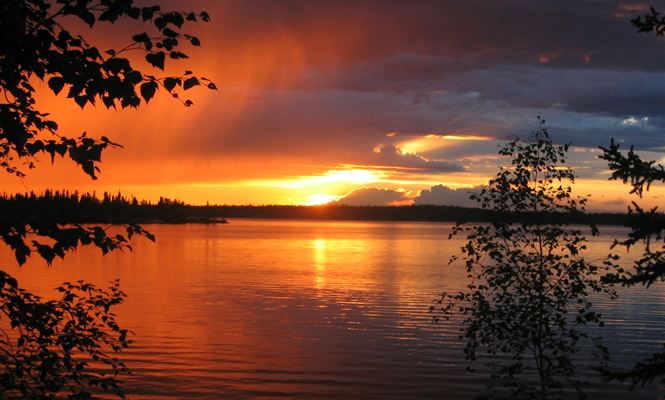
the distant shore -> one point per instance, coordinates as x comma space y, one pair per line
66, 207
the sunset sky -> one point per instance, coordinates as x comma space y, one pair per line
374, 102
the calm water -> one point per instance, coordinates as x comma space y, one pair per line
309, 309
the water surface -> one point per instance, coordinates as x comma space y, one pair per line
309, 309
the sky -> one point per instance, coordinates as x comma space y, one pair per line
374, 102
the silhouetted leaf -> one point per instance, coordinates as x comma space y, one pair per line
134, 12
108, 101
88, 18
160, 23
46, 252
21, 256
168, 32
156, 59
176, 19
142, 37
177, 55
81, 100
146, 13
170, 83
56, 84
148, 90
116, 65
169, 43
189, 83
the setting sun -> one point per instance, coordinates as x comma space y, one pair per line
320, 199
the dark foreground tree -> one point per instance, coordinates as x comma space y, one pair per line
62, 348
646, 226
526, 306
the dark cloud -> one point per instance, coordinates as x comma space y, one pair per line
437, 195
331, 76
444, 196
322, 82
392, 156
565, 33
373, 197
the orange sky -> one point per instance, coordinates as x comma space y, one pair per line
371, 102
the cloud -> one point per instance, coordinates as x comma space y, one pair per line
368, 196
329, 77
392, 156
437, 195
444, 196
561, 34
306, 87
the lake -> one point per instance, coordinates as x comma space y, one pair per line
261, 309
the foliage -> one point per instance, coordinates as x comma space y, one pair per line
42, 354
647, 227
652, 23
526, 304
37, 45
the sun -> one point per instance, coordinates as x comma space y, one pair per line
320, 199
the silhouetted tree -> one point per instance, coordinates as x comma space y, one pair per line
51, 344
646, 226
527, 300
652, 22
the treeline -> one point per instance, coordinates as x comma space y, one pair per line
74, 207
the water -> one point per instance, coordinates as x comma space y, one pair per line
309, 309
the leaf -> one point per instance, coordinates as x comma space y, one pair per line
56, 84
46, 252
21, 256
146, 13
168, 32
176, 19
108, 101
133, 77
169, 43
195, 41
170, 83
177, 55
156, 59
134, 13
148, 90
74, 91
117, 65
190, 83
160, 23
140, 38
81, 100
212, 86
88, 18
